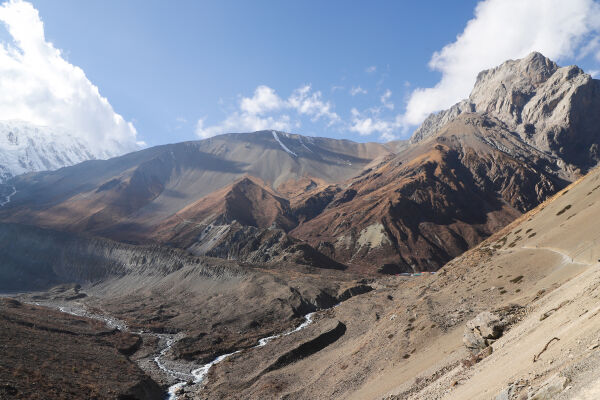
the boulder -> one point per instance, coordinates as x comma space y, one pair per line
507, 393
550, 389
482, 331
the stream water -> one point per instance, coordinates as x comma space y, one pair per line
200, 373
8, 196
197, 375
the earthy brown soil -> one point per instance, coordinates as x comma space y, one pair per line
46, 354
404, 340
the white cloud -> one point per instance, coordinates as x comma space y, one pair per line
311, 104
37, 85
592, 47
266, 110
357, 90
264, 100
243, 122
501, 30
366, 126
595, 73
371, 69
385, 100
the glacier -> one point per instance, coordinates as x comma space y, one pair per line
25, 147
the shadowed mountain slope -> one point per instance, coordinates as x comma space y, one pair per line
528, 128
436, 199
405, 340
235, 176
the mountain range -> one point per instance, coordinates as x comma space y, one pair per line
524, 133
270, 265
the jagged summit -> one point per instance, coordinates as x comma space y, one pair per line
547, 106
531, 70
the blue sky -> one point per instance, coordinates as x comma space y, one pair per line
159, 64
188, 69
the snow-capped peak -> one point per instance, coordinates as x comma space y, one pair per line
25, 147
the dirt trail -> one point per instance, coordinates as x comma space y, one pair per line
567, 258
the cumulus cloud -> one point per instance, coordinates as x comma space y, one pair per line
265, 99
267, 110
357, 90
385, 100
501, 30
366, 125
306, 102
38, 86
243, 122
371, 69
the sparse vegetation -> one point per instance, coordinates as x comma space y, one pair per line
502, 241
518, 279
567, 207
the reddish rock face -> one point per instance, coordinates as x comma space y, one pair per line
433, 201
528, 128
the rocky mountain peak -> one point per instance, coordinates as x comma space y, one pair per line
552, 108
528, 72
504, 91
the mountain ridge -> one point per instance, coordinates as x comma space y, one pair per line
403, 207
542, 103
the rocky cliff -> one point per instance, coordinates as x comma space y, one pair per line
554, 109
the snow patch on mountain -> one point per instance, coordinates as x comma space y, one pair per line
283, 146
25, 147
303, 144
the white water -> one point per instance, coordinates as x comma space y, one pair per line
308, 318
112, 323
7, 198
163, 367
122, 326
200, 373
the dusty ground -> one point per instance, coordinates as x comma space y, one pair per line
46, 354
404, 340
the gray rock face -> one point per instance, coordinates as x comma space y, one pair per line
37, 259
482, 331
434, 122
506, 394
550, 389
547, 106
258, 245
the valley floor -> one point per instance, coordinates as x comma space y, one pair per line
395, 337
